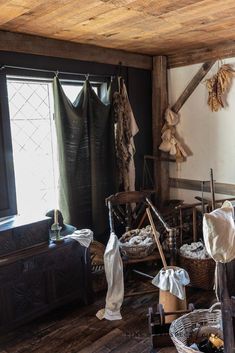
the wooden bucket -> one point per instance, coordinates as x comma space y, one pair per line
171, 303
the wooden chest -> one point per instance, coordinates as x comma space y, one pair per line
36, 276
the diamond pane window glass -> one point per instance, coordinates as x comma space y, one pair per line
33, 139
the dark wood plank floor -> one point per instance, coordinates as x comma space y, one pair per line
75, 329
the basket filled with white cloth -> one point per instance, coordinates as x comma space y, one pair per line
195, 259
137, 243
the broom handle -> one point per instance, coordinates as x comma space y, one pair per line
156, 238
212, 189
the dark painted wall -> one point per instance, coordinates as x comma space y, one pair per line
140, 95
138, 84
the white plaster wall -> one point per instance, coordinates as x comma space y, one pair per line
209, 136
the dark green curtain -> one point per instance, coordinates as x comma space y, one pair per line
86, 148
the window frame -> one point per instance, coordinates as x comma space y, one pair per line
7, 167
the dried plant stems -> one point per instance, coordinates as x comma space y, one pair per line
218, 86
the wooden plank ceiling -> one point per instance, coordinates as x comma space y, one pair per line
143, 26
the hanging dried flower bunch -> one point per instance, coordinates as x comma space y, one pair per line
218, 85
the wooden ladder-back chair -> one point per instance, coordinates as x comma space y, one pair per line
129, 210
128, 207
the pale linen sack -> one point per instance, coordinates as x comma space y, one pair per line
219, 233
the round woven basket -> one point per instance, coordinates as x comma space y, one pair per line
201, 271
136, 251
182, 329
99, 282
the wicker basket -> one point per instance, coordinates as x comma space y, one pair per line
136, 251
201, 271
183, 329
99, 282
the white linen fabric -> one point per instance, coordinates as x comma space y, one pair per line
114, 274
219, 233
195, 250
172, 280
83, 236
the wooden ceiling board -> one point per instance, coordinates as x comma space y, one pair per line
12, 9
41, 8
149, 27
52, 24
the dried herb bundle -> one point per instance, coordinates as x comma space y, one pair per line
218, 85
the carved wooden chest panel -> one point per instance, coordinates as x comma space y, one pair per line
35, 278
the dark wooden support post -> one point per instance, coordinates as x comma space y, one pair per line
159, 105
227, 308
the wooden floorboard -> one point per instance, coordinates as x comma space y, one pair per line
75, 329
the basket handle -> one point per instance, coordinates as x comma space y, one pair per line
214, 306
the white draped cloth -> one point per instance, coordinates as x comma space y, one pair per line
114, 274
83, 236
219, 233
172, 280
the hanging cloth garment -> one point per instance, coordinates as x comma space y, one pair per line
114, 274
86, 152
125, 130
219, 233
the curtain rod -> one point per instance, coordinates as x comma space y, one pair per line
56, 72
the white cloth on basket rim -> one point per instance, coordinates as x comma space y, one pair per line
219, 233
172, 280
83, 236
114, 274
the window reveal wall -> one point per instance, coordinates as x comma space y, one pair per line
209, 135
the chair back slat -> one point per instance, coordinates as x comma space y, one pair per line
127, 207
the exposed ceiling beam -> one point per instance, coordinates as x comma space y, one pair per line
29, 44
200, 55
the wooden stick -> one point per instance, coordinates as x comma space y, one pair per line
156, 238
194, 224
142, 219
212, 190
192, 85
